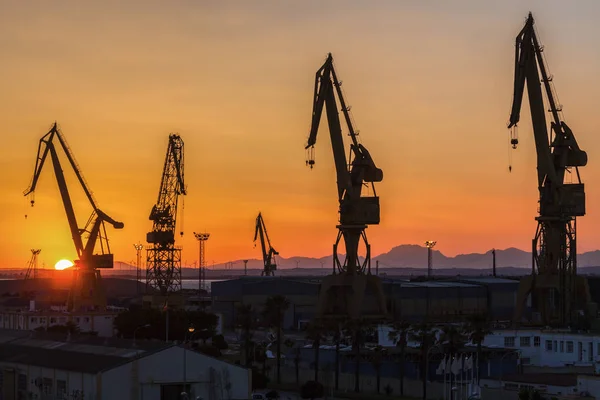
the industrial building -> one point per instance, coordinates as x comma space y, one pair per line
440, 301
550, 348
45, 366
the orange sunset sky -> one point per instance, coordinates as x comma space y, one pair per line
430, 84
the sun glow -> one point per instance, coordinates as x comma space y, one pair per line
63, 264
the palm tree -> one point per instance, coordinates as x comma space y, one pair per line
297, 364
245, 320
478, 327
356, 330
377, 361
315, 333
275, 308
399, 334
335, 328
424, 334
452, 339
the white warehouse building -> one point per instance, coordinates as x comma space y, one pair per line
89, 368
549, 348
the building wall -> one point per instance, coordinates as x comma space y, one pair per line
204, 374
549, 349
36, 381
101, 323
590, 384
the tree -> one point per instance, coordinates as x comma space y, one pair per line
311, 390
478, 327
247, 323
297, 364
377, 360
424, 334
219, 342
275, 308
335, 328
315, 333
128, 322
399, 334
356, 330
452, 339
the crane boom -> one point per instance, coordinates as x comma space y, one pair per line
268, 252
89, 294
554, 245
163, 258
342, 293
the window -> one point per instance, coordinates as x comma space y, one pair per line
509, 341
52, 320
62, 320
33, 320
525, 341
562, 346
42, 320
555, 346
569, 346
598, 348
536, 341
549, 345
76, 320
86, 319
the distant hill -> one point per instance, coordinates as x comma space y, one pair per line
412, 256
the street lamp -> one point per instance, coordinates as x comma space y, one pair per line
191, 331
138, 271
136, 329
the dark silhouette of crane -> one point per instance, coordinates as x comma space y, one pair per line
343, 292
557, 291
270, 266
32, 268
163, 262
87, 292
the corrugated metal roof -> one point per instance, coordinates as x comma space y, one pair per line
79, 353
58, 359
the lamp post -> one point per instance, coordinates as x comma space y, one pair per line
138, 273
201, 238
430, 244
136, 329
191, 331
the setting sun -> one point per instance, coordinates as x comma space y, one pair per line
63, 264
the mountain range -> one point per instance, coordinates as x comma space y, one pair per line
412, 256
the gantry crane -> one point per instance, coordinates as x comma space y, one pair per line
556, 289
163, 258
32, 265
270, 266
343, 293
87, 292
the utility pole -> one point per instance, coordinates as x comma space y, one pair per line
202, 238
494, 263
377, 267
430, 244
138, 272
